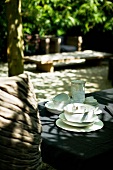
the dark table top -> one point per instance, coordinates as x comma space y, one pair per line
73, 150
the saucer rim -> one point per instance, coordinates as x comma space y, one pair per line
76, 124
97, 125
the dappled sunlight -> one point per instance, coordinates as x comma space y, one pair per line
47, 84
60, 81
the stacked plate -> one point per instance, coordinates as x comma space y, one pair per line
79, 117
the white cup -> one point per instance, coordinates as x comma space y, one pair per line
61, 100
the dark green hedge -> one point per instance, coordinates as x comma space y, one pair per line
92, 19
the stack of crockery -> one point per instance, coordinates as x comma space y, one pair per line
79, 117
91, 101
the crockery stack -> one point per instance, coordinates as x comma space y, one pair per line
79, 117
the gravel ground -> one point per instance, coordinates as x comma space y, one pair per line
47, 85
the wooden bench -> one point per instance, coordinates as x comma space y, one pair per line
48, 61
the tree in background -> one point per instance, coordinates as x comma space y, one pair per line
89, 18
57, 17
92, 19
14, 37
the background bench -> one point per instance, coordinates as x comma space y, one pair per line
48, 61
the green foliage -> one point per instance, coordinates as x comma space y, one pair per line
49, 17
93, 13
56, 16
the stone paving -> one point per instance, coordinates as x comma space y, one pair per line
47, 84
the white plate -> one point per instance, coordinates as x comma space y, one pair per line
98, 112
96, 126
52, 108
85, 120
78, 124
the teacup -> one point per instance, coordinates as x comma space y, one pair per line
61, 100
78, 112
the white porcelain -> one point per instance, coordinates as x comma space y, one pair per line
98, 111
78, 112
98, 124
61, 100
77, 124
91, 101
52, 108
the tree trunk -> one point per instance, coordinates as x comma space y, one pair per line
14, 38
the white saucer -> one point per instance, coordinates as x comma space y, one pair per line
52, 108
98, 112
77, 124
98, 124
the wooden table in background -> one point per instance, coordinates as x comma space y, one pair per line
48, 61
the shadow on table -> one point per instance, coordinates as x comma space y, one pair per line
64, 149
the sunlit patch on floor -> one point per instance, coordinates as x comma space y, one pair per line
47, 85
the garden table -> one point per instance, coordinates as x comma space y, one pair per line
64, 149
48, 61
